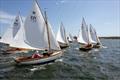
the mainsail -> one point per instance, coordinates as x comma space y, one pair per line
91, 35
36, 30
61, 35
11, 31
83, 34
94, 34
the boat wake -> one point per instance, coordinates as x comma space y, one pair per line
76, 48
96, 50
59, 60
104, 47
35, 68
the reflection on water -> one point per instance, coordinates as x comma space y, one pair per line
97, 64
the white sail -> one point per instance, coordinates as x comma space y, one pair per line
80, 38
83, 34
11, 32
70, 37
36, 32
53, 42
95, 37
18, 41
7, 37
91, 36
61, 35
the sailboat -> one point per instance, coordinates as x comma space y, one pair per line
8, 38
18, 44
84, 37
61, 37
11, 32
70, 38
39, 35
95, 38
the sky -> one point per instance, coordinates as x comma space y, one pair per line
104, 15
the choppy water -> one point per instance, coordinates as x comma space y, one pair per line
99, 64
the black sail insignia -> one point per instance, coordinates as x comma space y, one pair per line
33, 17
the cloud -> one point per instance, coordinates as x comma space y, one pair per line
60, 2
6, 18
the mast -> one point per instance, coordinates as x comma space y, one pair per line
46, 22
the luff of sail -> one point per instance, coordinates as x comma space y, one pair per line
11, 32
36, 32
61, 35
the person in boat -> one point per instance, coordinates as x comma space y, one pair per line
45, 53
37, 55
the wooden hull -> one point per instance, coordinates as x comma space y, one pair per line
84, 48
11, 50
44, 60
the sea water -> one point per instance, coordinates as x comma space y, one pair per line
97, 64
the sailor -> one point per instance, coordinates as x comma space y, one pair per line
37, 55
46, 52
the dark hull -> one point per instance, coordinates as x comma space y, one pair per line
96, 46
62, 47
70, 41
85, 49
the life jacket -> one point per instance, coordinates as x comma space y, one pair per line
36, 55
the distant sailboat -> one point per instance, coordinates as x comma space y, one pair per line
70, 38
84, 37
11, 32
61, 37
38, 34
94, 37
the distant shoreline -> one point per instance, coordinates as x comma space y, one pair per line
110, 37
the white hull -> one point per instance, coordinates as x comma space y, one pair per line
54, 56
